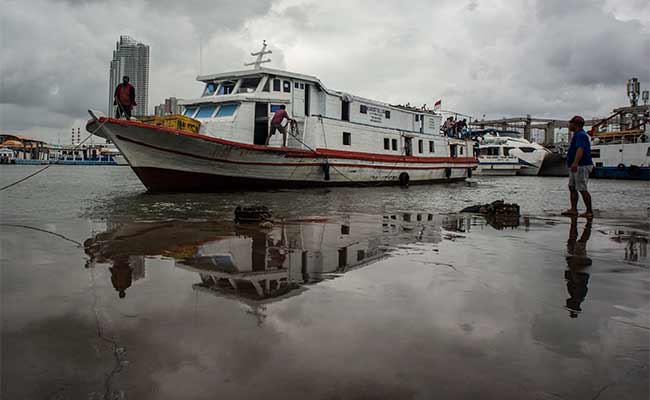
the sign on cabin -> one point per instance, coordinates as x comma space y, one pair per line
432, 124
376, 114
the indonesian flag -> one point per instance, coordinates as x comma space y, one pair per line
437, 105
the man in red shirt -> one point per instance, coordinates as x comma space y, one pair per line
276, 124
124, 98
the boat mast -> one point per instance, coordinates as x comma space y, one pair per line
257, 64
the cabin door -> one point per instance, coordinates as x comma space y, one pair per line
261, 129
345, 110
298, 99
408, 146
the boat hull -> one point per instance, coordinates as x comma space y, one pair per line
168, 160
627, 173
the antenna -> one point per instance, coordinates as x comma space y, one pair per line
260, 55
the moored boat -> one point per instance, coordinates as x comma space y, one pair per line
530, 155
338, 139
494, 158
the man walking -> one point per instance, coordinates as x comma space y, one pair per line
124, 98
578, 160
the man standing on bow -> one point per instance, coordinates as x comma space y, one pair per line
124, 98
579, 161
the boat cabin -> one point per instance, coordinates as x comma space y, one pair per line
239, 106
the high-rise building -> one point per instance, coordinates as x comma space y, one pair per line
131, 58
169, 107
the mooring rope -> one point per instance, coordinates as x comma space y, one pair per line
49, 165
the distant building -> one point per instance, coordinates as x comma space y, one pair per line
169, 107
130, 58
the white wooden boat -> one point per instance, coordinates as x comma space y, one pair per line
340, 139
494, 159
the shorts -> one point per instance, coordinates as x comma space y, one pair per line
578, 180
279, 127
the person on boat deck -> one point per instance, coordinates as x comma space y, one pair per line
276, 124
124, 99
579, 161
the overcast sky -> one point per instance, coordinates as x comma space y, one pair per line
551, 58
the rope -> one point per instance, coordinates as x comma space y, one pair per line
362, 184
49, 165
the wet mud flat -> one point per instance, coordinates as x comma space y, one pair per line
111, 293
402, 305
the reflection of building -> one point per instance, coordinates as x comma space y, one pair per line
130, 58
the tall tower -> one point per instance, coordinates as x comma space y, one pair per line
130, 58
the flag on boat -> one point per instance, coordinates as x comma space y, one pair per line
437, 104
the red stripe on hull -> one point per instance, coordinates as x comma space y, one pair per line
167, 180
299, 153
294, 164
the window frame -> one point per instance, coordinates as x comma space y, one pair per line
363, 109
221, 106
394, 145
193, 112
420, 146
216, 108
347, 137
277, 83
432, 146
387, 114
286, 86
386, 144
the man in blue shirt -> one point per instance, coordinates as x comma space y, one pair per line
578, 160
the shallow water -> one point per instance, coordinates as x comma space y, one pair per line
352, 293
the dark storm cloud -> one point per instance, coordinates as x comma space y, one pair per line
547, 58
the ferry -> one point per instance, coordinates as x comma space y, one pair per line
529, 155
494, 158
338, 139
620, 147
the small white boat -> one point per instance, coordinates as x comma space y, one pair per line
339, 140
530, 155
494, 158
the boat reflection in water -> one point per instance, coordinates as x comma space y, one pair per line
256, 265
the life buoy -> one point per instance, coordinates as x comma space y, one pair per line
404, 179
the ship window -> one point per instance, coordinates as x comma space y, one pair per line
386, 144
506, 151
206, 111
421, 146
266, 86
275, 107
394, 144
276, 85
596, 153
461, 150
226, 110
227, 87
431, 146
249, 85
302, 86
189, 111
363, 109
296, 85
527, 149
387, 114
417, 118
347, 138
210, 88
286, 86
